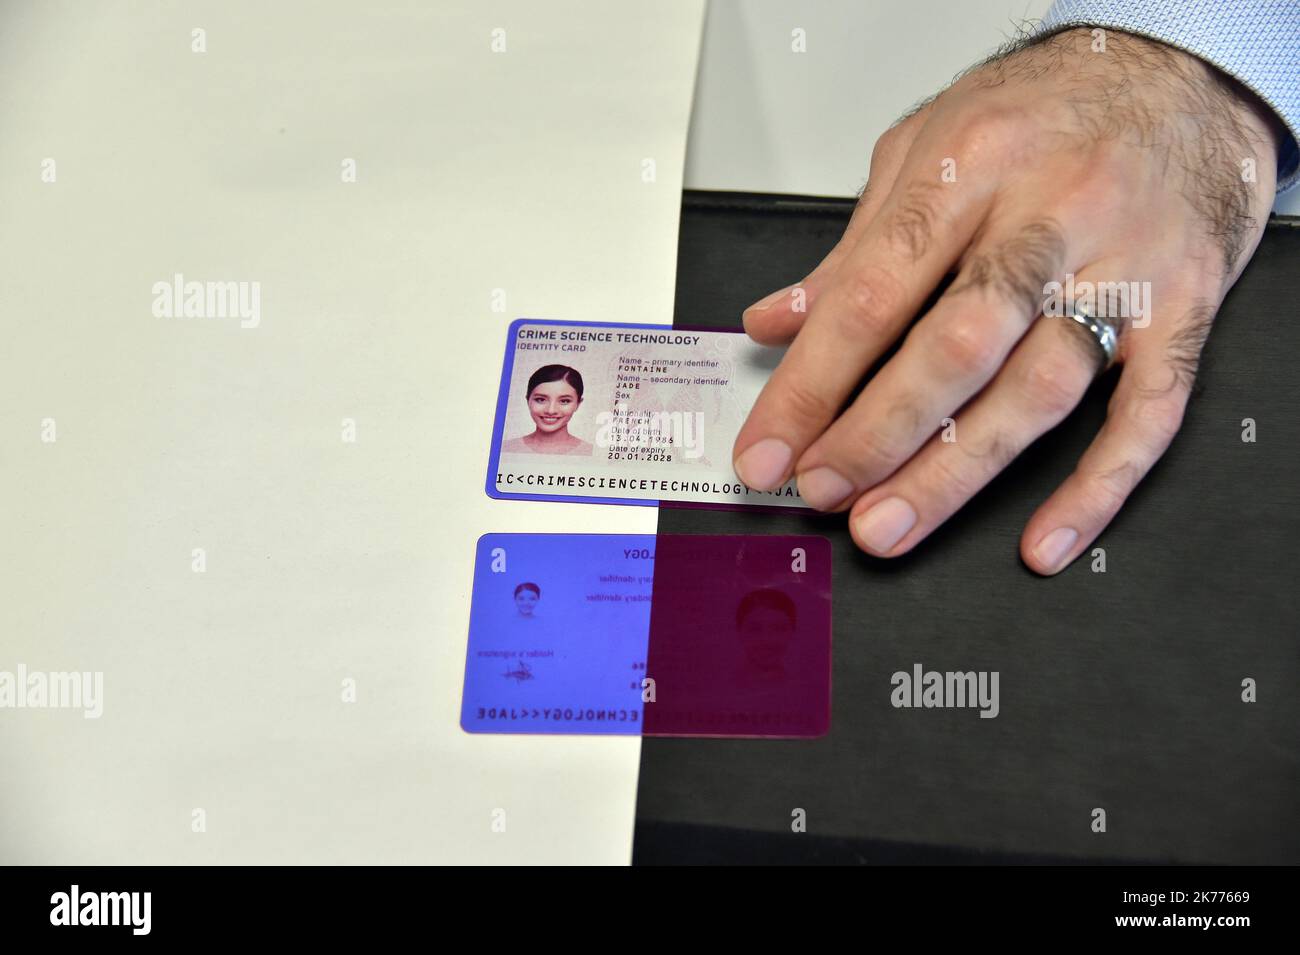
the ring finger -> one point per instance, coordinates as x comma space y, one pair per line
1043, 380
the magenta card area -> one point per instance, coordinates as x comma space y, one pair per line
740, 637
671, 635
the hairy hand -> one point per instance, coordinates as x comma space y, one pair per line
1072, 163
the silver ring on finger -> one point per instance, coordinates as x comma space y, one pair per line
1103, 330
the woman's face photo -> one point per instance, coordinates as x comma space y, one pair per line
552, 404
526, 602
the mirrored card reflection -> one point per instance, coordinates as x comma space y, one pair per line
674, 635
558, 632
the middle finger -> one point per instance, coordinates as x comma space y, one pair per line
951, 353
1046, 376
899, 260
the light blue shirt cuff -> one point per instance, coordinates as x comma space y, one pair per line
1256, 42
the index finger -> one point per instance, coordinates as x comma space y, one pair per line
902, 255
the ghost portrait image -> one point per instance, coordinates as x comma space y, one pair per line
527, 595
554, 395
765, 627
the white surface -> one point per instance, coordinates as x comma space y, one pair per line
326, 560
767, 119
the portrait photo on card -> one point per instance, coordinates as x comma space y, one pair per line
546, 411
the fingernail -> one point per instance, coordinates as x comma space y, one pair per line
885, 524
764, 464
823, 488
770, 300
1052, 549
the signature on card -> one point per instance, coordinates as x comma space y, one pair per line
521, 673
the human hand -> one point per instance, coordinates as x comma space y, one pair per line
1058, 162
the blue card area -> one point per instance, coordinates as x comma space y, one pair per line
558, 633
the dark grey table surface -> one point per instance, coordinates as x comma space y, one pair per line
1119, 690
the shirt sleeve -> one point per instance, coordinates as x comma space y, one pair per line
1257, 42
